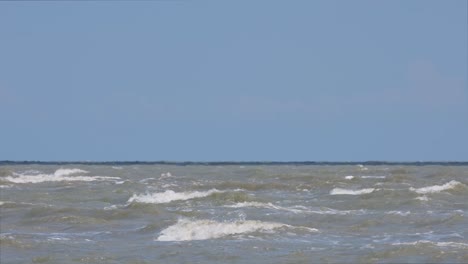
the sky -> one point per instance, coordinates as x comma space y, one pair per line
234, 80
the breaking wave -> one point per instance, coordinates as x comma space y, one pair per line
295, 209
373, 177
186, 230
438, 244
169, 196
265, 205
58, 176
436, 188
340, 191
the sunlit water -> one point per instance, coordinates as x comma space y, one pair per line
233, 214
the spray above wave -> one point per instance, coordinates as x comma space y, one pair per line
340, 191
437, 188
186, 230
59, 175
169, 196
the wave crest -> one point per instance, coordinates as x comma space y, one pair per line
58, 176
433, 243
186, 230
296, 209
436, 188
169, 196
340, 191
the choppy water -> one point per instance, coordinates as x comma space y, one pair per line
233, 214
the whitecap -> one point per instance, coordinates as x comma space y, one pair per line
349, 177
373, 177
296, 209
186, 230
362, 167
340, 191
58, 239
121, 182
112, 207
436, 188
65, 172
165, 175
169, 196
146, 180
439, 244
422, 198
265, 205
168, 185
398, 213
58, 176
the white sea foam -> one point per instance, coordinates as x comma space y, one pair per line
296, 209
112, 207
65, 172
373, 177
362, 167
169, 196
186, 230
436, 188
58, 176
349, 177
422, 198
121, 182
146, 180
398, 213
165, 175
340, 191
168, 185
439, 244
265, 205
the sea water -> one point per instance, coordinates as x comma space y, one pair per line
238, 213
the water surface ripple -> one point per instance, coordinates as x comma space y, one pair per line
233, 213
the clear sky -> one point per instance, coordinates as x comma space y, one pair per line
234, 80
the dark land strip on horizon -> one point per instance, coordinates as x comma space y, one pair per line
220, 163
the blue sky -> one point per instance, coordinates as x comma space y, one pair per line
234, 80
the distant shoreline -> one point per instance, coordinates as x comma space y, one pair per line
242, 163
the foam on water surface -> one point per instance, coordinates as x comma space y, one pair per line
59, 175
65, 172
434, 243
295, 209
340, 191
398, 213
169, 196
187, 230
422, 198
265, 205
258, 214
436, 188
373, 177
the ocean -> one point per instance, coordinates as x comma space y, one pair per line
233, 213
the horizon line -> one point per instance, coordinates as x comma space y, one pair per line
185, 163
